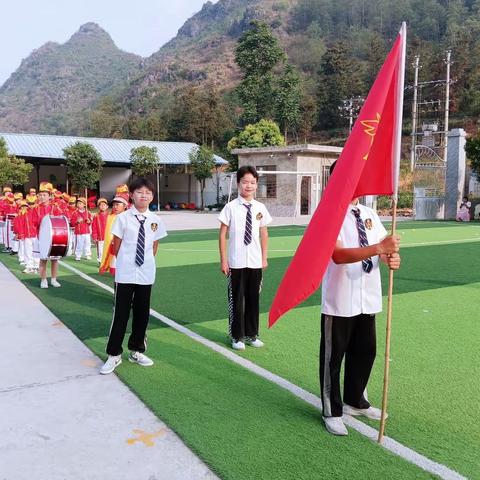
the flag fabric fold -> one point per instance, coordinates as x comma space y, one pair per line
368, 165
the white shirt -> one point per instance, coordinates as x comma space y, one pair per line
347, 290
234, 215
126, 227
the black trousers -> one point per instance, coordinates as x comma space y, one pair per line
355, 339
130, 296
244, 302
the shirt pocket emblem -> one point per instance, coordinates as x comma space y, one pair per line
368, 223
259, 216
154, 227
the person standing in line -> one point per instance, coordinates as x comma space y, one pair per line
136, 233
81, 221
351, 297
43, 208
98, 226
245, 220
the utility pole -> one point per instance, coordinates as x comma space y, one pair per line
414, 114
447, 107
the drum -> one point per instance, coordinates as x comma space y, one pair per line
9, 234
53, 237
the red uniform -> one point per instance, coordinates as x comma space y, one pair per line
82, 228
40, 211
23, 225
98, 226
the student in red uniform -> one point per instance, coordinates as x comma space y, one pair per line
45, 208
19, 230
31, 263
9, 209
98, 226
81, 220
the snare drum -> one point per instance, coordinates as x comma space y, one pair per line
53, 237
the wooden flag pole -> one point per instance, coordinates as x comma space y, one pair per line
386, 370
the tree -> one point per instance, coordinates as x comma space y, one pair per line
472, 149
144, 160
13, 171
288, 99
257, 53
202, 162
264, 133
84, 165
340, 78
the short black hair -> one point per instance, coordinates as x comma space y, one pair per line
242, 171
141, 182
332, 167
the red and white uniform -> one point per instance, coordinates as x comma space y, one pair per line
99, 225
81, 221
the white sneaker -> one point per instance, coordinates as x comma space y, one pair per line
54, 283
44, 283
140, 358
257, 343
77, 259
112, 362
238, 345
335, 425
372, 413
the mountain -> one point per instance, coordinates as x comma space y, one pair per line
88, 86
54, 87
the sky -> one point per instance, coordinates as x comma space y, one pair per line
138, 26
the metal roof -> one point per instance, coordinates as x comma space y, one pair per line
112, 150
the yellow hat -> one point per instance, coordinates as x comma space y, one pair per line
6, 189
122, 188
57, 193
45, 187
102, 200
23, 203
32, 191
73, 199
18, 196
82, 199
31, 198
66, 196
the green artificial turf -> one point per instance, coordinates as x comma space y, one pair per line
242, 426
434, 387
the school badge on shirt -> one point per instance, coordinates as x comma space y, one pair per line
154, 227
259, 216
368, 223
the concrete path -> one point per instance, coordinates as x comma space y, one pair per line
60, 419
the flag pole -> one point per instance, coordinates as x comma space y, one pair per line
396, 172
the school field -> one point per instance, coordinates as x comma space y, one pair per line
247, 427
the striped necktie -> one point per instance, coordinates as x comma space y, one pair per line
247, 238
367, 264
140, 253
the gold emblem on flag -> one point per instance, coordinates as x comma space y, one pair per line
371, 127
368, 223
259, 216
154, 227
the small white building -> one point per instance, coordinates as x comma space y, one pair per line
296, 175
176, 181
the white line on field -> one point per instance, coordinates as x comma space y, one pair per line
393, 446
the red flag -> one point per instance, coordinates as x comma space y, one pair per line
368, 165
